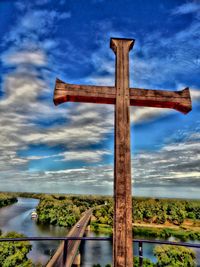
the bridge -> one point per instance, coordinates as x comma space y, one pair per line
66, 254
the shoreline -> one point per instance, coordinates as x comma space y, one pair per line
154, 231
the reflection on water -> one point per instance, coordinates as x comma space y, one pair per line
94, 252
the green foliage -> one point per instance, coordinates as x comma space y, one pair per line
146, 262
7, 199
104, 214
65, 210
161, 210
58, 212
157, 211
14, 254
165, 233
171, 256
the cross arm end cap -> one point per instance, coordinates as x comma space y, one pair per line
56, 100
115, 42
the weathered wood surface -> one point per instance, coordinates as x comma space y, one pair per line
179, 100
123, 97
122, 236
65, 92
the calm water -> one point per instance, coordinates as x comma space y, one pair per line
17, 217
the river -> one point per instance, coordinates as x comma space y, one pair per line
17, 217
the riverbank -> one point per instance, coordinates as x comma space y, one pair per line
7, 199
153, 231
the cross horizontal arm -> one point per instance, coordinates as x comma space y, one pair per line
65, 92
179, 101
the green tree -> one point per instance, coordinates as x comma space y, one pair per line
146, 262
171, 256
14, 254
7, 199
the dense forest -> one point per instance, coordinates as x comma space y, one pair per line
156, 218
65, 210
162, 210
7, 199
157, 211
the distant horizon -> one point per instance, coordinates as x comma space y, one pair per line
98, 195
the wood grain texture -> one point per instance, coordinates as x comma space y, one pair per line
122, 236
179, 100
65, 92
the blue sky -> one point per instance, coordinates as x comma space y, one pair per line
69, 148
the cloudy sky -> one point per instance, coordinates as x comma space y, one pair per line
69, 148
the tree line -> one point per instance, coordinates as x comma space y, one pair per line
157, 211
149, 210
161, 210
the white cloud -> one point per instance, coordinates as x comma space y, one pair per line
187, 8
37, 58
22, 89
152, 173
144, 114
76, 155
85, 156
195, 94
78, 171
175, 164
37, 19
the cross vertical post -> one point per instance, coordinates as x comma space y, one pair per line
122, 236
122, 97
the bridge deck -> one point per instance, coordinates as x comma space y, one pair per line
77, 231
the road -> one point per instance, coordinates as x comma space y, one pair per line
77, 231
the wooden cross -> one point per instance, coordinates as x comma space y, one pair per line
122, 97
